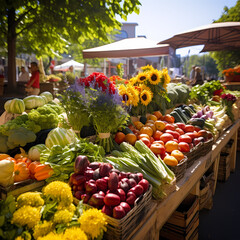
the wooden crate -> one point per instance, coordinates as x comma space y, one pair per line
21, 187
183, 224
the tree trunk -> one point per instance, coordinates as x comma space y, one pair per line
11, 41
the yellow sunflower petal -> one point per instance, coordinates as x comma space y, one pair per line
146, 97
142, 77
154, 77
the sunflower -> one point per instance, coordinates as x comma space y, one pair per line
93, 222
133, 81
166, 78
146, 97
154, 77
142, 77
126, 95
121, 89
147, 68
134, 94
144, 87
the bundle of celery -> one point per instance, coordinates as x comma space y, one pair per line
142, 159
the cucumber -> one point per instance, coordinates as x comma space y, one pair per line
126, 130
176, 117
197, 122
182, 115
187, 114
192, 107
189, 110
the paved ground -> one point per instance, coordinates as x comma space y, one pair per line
222, 221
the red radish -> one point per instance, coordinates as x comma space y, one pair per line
88, 174
137, 190
132, 182
102, 184
145, 184
96, 200
118, 212
140, 176
131, 197
101, 193
122, 175
85, 197
96, 174
94, 165
104, 169
91, 187
77, 179
124, 186
80, 164
78, 194
107, 210
126, 207
112, 199
113, 181
120, 192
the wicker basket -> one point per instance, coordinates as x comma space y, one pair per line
206, 147
121, 228
180, 169
193, 155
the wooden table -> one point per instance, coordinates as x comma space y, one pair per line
161, 211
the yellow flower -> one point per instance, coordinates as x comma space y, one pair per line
144, 87
42, 229
147, 68
60, 192
93, 222
70, 208
146, 97
154, 77
127, 96
62, 216
31, 199
166, 77
74, 233
121, 89
52, 236
26, 215
135, 95
142, 77
19, 238
133, 81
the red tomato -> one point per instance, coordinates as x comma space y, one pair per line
175, 134
159, 141
165, 137
189, 128
183, 147
169, 127
181, 125
175, 140
197, 129
180, 131
152, 140
146, 141
191, 134
185, 138
157, 148
157, 135
202, 133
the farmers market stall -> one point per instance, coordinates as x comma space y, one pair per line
124, 154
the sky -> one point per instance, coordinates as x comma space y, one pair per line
161, 19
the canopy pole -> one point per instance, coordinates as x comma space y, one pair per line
104, 66
127, 68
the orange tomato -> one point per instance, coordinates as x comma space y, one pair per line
168, 118
143, 135
152, 117
150, 121
160, 125
165, 137
146, 141
138, 125
131, 138
171, 145
157, 148
158, 114
147, 130
157, 135
151, 125
170, 161
119, 137
177, 154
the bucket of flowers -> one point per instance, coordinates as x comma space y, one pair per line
232, 74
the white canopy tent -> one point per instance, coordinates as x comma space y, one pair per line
65, 66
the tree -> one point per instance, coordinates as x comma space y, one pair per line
227, 59
48, 26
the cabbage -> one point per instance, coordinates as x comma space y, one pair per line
61, 137
35, 151
48, 95
33, 101
15, 105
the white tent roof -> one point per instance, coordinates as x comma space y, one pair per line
65, 66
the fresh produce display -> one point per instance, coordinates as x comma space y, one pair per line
142, 159
15, 105
61, 157
103, 187
49, 215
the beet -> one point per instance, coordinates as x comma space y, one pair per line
96, 200
102, 184
145, 184
104, 169
118, 212
81, 163
113, 181
112, 199
94, 165
107, 210
126, 207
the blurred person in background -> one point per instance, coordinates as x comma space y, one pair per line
24, 75
33, 86
198, 80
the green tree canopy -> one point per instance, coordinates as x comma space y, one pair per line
48, 26
227, 59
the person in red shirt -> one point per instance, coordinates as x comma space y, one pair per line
33, 86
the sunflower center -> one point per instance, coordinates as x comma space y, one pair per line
125, 97
144, 97
142, 78
154, 77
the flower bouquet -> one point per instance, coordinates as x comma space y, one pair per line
232, 74
228, 100
146, 92
75, 104
105, 107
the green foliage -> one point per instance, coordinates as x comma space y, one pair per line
228, 59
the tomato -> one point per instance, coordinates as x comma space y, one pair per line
160, 125
151, 125
147, 130
158, 114
196, 141
159, 141
180, 131
146, 141
152, 117
192, 135
157, 148
202, 133
157, 135
177, 154
170, 161
183, 147
168, 118
170, 146
197, 129
131, 127
152, 140
175, 134
169, 127
185, 138
181, 125
165, 137
119, 137
138, 125
131, 138
175, 140
143, 135
189, 128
